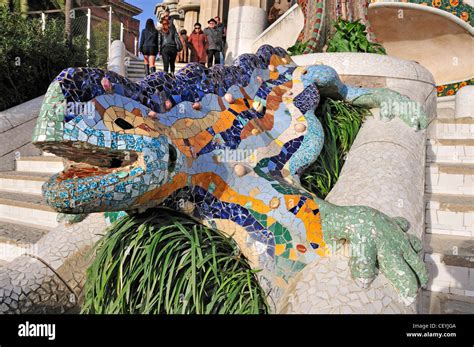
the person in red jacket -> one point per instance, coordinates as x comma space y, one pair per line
198, 44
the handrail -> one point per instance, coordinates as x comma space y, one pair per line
275, 23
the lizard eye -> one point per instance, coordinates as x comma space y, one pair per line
305, 72
173, 155
123, 124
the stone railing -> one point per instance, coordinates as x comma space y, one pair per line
16, 131
284, 31
117, 57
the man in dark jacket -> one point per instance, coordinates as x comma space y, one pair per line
215, 43
221, 27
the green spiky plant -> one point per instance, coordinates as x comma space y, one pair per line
352, 37
341, 122
297, 49
163, 262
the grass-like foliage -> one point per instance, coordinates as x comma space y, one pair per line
163, 262
341, 122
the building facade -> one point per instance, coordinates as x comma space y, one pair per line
245, 19
189, 12
123, 12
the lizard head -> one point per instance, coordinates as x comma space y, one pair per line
123, 141
114, 150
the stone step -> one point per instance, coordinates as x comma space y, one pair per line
47, 164
445, 112
445, 303
445, 107
451, 128
450, 214
18, 238
159, 63
450, 263
136, 62
450, 178
450, 151
136, 76
135, 69
20, 207
22, 182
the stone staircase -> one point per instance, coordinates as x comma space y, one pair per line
449, 239
135, 70
24, 216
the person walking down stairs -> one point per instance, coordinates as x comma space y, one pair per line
149, 46
183, 56
215, 44
169, 44
198, 44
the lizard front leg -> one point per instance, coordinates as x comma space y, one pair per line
376, 240
391, 103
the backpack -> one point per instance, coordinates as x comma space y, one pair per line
177, 40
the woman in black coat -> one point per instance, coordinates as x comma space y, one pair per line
169, 44
149, 46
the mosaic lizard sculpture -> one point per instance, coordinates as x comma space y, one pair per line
225, 145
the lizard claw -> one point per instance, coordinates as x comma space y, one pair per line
378, 240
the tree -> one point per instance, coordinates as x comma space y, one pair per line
16, 6
100, 42
67, 13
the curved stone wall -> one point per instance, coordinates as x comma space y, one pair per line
50, 277
439, 40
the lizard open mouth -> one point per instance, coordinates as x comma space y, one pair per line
85, 160
90, 175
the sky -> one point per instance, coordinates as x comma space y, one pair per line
148, 7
